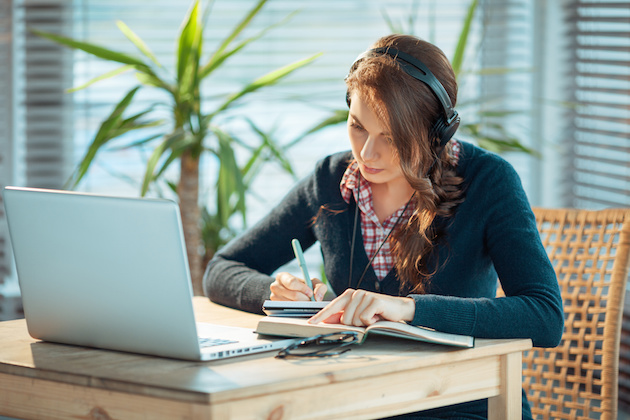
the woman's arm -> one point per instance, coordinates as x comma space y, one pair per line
499, 227
239, 275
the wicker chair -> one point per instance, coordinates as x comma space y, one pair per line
590, 253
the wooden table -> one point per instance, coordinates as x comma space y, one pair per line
382, 377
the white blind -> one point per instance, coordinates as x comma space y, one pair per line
598, 136
507, 57
43, 133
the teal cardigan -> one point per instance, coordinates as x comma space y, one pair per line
492, 235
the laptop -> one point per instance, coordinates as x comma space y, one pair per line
112, 273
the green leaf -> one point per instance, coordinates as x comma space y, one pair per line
104, 134
250, 169
266, 80
217, 59
237, 30
177, 150
500, 114
92, 49
275, 150
229, 183
137, 41
104, 76
155, 157
460, 50
492, 71
338, 116
138, 143
501, 145
150, 79
393, 28
188, 40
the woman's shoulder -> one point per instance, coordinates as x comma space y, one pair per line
333, 165
474, 162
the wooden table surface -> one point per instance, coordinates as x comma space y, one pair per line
384, 376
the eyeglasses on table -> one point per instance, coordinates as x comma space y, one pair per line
322, 345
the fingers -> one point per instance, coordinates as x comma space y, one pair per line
288, 287
319, 289
363, 308
337, 305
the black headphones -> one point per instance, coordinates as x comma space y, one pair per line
446, 125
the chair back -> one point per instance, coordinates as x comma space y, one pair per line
590, 254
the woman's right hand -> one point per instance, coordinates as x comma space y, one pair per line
288, 287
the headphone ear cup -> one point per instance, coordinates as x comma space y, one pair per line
444, 132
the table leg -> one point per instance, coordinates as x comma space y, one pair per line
508, 404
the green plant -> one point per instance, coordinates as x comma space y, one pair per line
190, 131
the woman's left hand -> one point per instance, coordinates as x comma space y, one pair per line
363, 308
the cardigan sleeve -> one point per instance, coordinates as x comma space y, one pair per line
501, 228
239, 275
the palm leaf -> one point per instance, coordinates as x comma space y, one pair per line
236, 31
229, 183
138, 42
150, 79
253, 165
155, 157
92, 49
502, 145
458, 57
266, 80
188, 44
276, 151
177, 150
104, 134
218, 59
338, 116
138, 143
103, 76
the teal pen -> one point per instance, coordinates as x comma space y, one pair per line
297, 250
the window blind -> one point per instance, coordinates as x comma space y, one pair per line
43, 132
507, 80
598, 136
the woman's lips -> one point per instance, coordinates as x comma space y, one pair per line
372, 171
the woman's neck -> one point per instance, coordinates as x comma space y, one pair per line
389, 197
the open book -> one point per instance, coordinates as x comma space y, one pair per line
299, 327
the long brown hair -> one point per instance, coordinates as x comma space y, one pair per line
409, 109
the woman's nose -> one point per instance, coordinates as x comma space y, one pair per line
369, 152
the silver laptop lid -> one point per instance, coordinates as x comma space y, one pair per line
107, 272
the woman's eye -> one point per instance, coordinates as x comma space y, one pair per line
357, 127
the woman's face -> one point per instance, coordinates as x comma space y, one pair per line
371, 145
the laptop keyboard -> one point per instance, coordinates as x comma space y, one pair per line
210, 341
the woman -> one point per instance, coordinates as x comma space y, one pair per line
413, 225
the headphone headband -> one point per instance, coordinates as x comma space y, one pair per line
445, 128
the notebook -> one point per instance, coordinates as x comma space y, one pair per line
112, 273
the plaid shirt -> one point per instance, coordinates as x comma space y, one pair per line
373, 232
